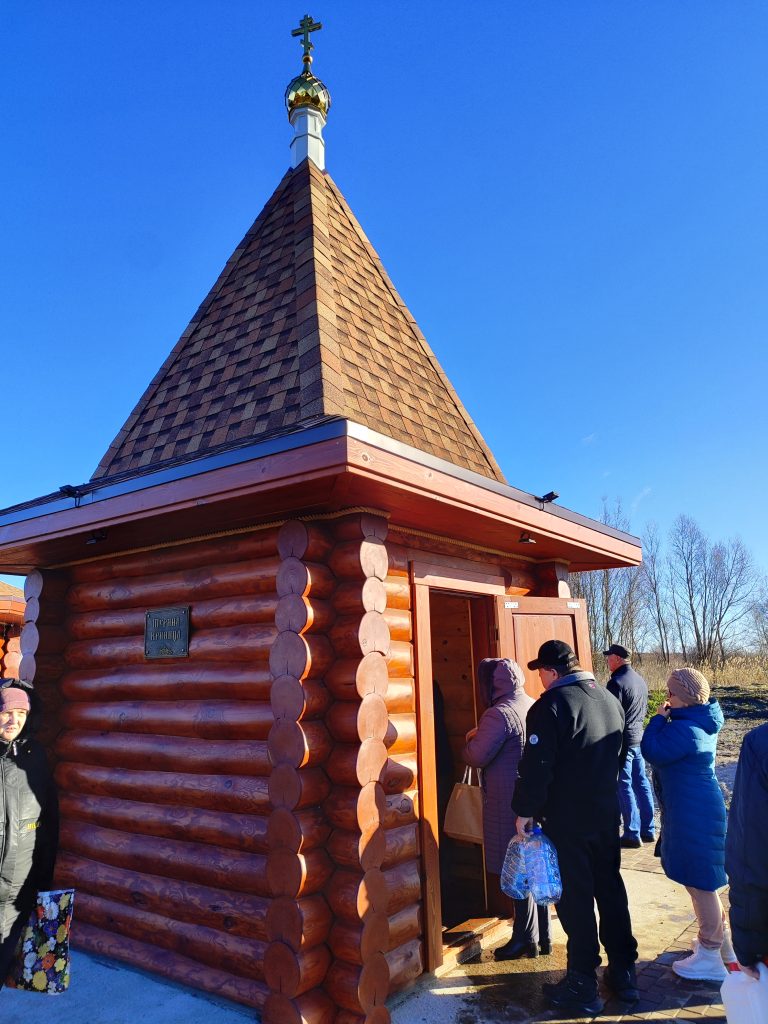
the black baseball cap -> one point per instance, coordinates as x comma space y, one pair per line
554, 654
618, 650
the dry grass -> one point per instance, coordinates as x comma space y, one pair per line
743, 672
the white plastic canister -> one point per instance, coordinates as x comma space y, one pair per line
746, 1000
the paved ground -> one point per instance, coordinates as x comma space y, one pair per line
484, 992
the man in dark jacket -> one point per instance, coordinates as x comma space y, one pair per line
567, 779
746, 859
635, 795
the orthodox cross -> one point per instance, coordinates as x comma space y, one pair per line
307, 25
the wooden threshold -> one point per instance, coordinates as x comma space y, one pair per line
469, 939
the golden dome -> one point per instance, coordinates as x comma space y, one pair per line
307, 91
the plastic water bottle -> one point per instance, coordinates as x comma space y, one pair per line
514, 870
543, 869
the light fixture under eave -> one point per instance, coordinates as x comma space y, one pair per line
526, 538
97, 536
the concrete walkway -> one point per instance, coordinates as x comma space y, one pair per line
484, 992
478, 992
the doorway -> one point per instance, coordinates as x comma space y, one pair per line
459, 638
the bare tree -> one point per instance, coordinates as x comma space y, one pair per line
654, 593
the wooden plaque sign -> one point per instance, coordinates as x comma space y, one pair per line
166, 633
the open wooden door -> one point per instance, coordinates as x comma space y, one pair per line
524, 623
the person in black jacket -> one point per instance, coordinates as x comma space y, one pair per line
28, 818
635, 795
567, 779
746, 852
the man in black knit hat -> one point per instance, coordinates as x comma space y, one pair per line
567, 779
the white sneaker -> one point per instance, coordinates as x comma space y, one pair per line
702, 965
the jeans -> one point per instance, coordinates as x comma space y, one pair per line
635, 796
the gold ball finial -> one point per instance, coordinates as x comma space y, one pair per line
306, 90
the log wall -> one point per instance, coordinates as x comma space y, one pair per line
163, 765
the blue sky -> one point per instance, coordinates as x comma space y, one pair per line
570, 195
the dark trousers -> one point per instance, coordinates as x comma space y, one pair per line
532, 923
589, 868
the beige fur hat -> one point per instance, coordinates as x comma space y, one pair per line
689, 685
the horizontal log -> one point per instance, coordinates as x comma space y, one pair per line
244, 957
173, 966
210, 719
349, 722
301, 924
233, 912
398, 591
356, 942
405, 965
357, 850
400, 773
400, 660
210, 551
308, 579
348, 679
291, 973
303, 744
165, 753
399, 623
294, 655
315, 1007
401, 844
220, 612
401, 737
170, 680
297, 699
361, 524
297, 613
353, 636
46, 584
348, 764
189, 862
405, 925
219, 828
352, 895
355, 597
248, 794
298, 831
159, 590
304, 541
352, 808
297, 874
359, 559
250, 642
11, 664
403, 886
296, 789
401, 696
400, 809
359, 988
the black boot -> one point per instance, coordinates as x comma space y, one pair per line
545, 948
576, 991
622, 981
516, 949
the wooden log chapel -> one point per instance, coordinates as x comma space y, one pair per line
236, 623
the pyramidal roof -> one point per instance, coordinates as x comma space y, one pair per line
302, 325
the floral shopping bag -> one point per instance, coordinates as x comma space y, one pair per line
42, 958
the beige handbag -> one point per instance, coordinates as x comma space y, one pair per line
464, 814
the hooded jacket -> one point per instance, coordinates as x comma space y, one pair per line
28, 830
496, 748
682, 750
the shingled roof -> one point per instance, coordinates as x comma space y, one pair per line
303, 324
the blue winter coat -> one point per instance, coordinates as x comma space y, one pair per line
681, 750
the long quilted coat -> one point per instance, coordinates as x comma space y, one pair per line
682, 750
497, 748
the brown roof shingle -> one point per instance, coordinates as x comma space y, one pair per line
302, 323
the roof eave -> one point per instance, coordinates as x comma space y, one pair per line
335, 465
